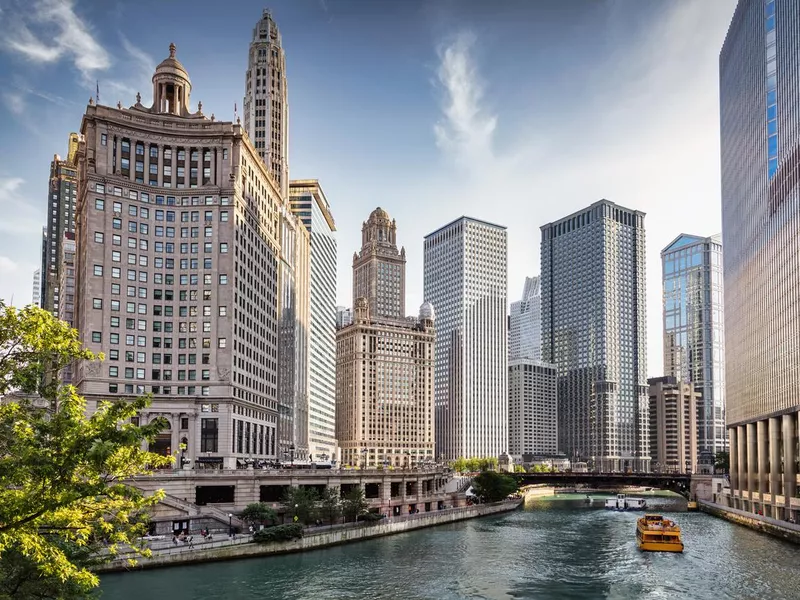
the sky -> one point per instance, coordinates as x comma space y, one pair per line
517, 112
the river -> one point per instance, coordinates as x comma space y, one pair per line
556, 547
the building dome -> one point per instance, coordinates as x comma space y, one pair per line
171, 87
171, 65
426, 312
379, 213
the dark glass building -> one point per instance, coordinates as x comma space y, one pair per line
760, 152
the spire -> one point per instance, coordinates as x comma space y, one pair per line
172, 49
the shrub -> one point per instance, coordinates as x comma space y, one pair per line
279, 533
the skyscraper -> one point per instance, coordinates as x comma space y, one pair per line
532, 409
525, 323
694, 338
344, 316
379, 268
593, 330
465, 279
266, 103
181, 244
36, 295
308, 203
66, 286
384, 373
62, 195
760, 154
673, 425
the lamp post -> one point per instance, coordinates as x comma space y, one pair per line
364, 459
295, 513
291, 454
230, 525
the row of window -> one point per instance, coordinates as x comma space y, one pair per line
142, 276
141, 340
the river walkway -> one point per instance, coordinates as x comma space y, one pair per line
167, 554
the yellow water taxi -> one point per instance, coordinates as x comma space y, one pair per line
691, 506
654, 533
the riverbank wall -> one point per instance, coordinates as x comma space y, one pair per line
313, 539
787, 531
536, 492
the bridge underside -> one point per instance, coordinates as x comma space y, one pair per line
680, 484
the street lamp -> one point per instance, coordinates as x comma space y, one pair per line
291, 454
364, 458
230, 525
295, 512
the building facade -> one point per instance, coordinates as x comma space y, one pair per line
465, 279
178, 273
760, 158
36, 293
593, 330
66, 286
379, 267
525, 323
61, 201
384, 379
266, 102
309, 204
673, 409
344, 316
694, 334
532, 408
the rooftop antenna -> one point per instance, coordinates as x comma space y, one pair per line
97, 93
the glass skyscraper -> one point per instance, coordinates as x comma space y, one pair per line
760, 166
694, 336
525, 323
593, 330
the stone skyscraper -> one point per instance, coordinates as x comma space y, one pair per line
62, 194
760, 148
466, 265
593, 330
525, 323
309, 204
384, 368
694, 336
182, 241
266, 103
379, 268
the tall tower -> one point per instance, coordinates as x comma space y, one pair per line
465, 279
760, 153
593, 330
525, 323
266, 105
379, 270
309, 203
61, 200
694, 337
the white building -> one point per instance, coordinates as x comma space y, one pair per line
466, 281
36, 296
308, 202
532, 408
344, 316
525, 323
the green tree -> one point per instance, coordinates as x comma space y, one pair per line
519, 469
354, 503
722, 461
491, 486
459, 465
301, 502
62, 474
259, 513
473, 464
331, 505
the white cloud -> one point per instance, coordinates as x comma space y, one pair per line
20, 219
73, 38
466, 130
15, 102
139, 66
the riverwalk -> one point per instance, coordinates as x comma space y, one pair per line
242, 546
782, 529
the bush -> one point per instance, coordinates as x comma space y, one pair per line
370, 517
279, 533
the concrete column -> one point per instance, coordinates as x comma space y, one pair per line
734, 458
752, 462
775, 448
763, 459
789, 457
742, 462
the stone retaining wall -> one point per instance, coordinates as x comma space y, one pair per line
340, 535
787, 531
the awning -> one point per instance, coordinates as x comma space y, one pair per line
209, 459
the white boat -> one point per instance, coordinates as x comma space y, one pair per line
622, 502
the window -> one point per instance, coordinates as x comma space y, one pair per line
222, 342
103, 139
113, 371
209, 435
99, 204
223, 280
116, 223
223, 311
96, 337
98, 237
223, 248
223, 216
98, 270
116, 240
97, 303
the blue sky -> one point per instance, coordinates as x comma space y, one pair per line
517, 112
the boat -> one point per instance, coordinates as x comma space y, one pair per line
691, 506
623, 502
654, 533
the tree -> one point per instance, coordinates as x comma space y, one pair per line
491, 486
301, 502
331, 504
473, 464
519, 469
63, 494
354, 503
722, 461
259, 513
459, 465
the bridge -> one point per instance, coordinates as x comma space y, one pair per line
674, 482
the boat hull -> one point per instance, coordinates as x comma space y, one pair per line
649, 546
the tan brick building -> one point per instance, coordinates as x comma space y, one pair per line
673, 425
